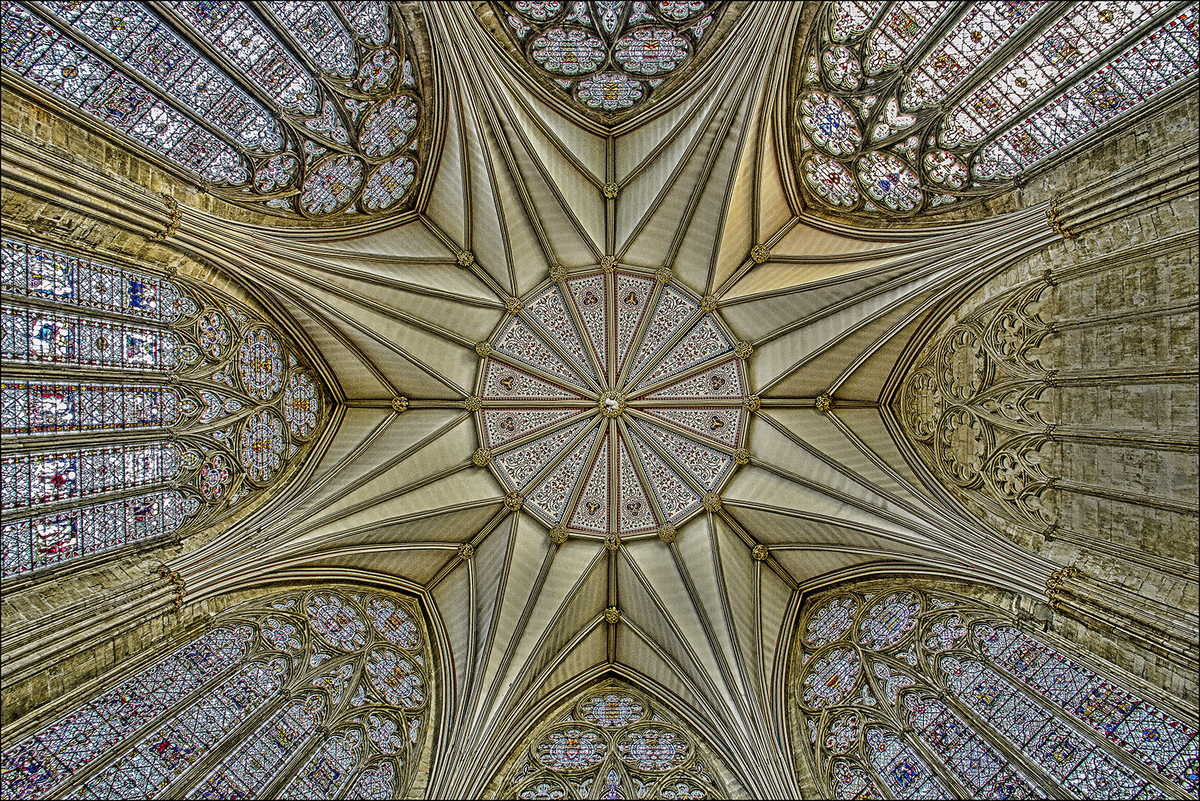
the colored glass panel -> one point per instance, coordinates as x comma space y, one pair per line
136, 37
39, 478
36, 51
234, 32
40, 763
49, 539
71, 340
247, 771
60, 408
155, 762
67, 280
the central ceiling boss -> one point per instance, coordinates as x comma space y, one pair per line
612, 403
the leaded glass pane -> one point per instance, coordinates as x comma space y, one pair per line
142, 42
36, 51
1158, 62
68, 280
1009, 84
1003, 714
40, 763
63, 408
56, 537
316, 29
296, 108
234, 31
612, 743
612, 55
246, 772
155, 762
45, 337
39, 478
1054, 57
240, 719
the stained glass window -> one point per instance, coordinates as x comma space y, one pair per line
914, 694
176, 362
608, 56
196, 84
990, 89
613, 742
256, 707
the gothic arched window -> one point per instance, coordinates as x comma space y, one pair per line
903, 693
135, 406
612, 742
299, 109
317, 694
908, 107
608, 56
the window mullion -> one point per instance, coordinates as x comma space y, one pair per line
1059, 89
1001, 744
933, 37
118, 65
195, 775
246, 83
1047, 18
1088, 735
865, 36
131, 740
293, 47
908, 735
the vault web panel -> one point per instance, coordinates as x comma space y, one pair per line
530, 416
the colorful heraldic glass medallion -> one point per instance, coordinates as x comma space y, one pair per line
211, 403
917, 107
612, 742
908, 692
612, 403
259, 706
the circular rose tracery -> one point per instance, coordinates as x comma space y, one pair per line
612, 375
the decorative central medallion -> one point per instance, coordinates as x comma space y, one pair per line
612, 403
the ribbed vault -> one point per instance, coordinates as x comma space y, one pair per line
702, 186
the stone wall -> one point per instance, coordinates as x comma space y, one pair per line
1110, 369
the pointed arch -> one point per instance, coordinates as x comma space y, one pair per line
314, 693
136, 405
613, 740
904, 689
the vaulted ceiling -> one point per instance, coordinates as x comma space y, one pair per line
517, 183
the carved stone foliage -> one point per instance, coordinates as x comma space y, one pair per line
975, 411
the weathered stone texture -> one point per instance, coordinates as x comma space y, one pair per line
1125, 339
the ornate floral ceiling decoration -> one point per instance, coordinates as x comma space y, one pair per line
911, 108
613, 403
607, 56
303, 110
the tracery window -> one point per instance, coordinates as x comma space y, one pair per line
910, 107
296, 109
903, 693
608, 56
318, 694
134, 406
613, 742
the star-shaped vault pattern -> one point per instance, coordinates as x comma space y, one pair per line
819, 319
612, 403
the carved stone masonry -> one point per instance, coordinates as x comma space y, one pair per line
974, 411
